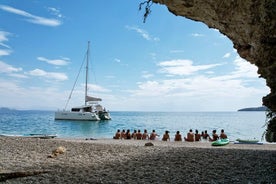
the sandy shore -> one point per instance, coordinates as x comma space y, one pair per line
129, 161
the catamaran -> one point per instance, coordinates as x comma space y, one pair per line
90, 111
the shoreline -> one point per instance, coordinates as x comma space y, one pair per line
159, 143
129, 161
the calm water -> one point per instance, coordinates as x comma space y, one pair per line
236, 124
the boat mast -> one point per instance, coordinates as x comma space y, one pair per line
86, 74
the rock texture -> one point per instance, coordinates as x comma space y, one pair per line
250, 24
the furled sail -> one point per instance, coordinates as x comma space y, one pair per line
90, 98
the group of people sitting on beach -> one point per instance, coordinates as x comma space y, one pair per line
191, 136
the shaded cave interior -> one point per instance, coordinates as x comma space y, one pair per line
250, 25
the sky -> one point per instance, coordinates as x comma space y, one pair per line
168, 63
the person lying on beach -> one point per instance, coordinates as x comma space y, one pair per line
197, 136
215, 136
205, 135
139, 135
190, 136
134, 134
145, 135
153, 135
117, 135
166, 136
177, 136
222, 134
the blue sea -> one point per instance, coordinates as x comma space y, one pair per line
236, 124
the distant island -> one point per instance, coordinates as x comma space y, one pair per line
6, 109
262, 108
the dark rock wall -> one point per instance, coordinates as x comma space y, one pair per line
250, 24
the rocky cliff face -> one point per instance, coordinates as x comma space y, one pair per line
250, 24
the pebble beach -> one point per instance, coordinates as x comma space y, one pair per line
130, 161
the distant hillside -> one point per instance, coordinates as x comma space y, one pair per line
263, 108
6, 109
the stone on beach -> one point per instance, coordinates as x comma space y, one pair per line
149, 144
59, 150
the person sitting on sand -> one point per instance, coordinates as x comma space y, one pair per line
134, 134
117, 135
190, 136
205, 135
128, 136
153, 135
177, 136
222, 134
166, 136
145, 135
123, 134
197, 136
139, 135
215, 136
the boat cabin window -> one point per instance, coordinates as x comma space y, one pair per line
84, 109
87, 109
75, 110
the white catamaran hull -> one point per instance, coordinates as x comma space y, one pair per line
69, 115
